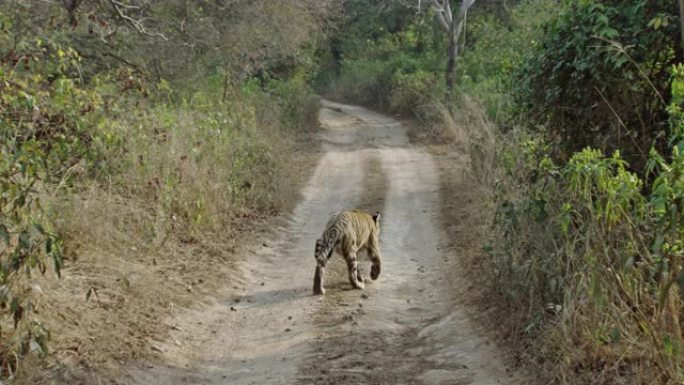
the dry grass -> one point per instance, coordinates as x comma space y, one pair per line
161, 235
136, 287
467, 173
437, 125
603, 324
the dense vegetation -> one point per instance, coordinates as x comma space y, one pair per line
148, 127
602, 78
137, 126
572, 116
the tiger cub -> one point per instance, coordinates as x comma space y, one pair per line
347, 233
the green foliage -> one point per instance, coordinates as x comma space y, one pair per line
392, 62
586, 240
363, 80
47, 139
600, 76
666, 200
82, 108
411, 91
374, 44
495, 48
299, 105
396, 61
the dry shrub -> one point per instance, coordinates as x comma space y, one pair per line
574, 283
467, 127
411, 90
437, 124
585, 260
479, 136
160, 232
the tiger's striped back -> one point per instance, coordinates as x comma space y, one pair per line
333, 229
356, 225
348, 232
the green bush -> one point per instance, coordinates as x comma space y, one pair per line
495, 48
363, 81
397, 63
600, 76
590, 262
154, 161
389, 63
410, 91
51, 134
299, 105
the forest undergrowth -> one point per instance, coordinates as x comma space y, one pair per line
141, 140
140, 148
571, 117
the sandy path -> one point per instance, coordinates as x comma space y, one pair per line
404, 328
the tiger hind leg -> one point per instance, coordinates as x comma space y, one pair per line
376, 260
321, 261
353, 267
359, 273
318, 280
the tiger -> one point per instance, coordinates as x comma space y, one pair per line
347, 233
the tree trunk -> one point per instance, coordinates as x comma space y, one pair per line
453, 24
451, 63
455, 30
681, 23
70, 6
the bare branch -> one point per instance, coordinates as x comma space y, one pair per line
454, 26
125, 6
440, 13
448, 12
442, 21
135, 23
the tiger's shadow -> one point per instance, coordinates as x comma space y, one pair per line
269, 297
336, 282
273, 297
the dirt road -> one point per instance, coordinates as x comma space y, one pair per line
404, 328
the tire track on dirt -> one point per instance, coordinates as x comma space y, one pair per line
405, 328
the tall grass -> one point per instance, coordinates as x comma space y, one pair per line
174, 181
579, 257
583, 255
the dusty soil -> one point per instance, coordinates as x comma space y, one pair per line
411, 326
